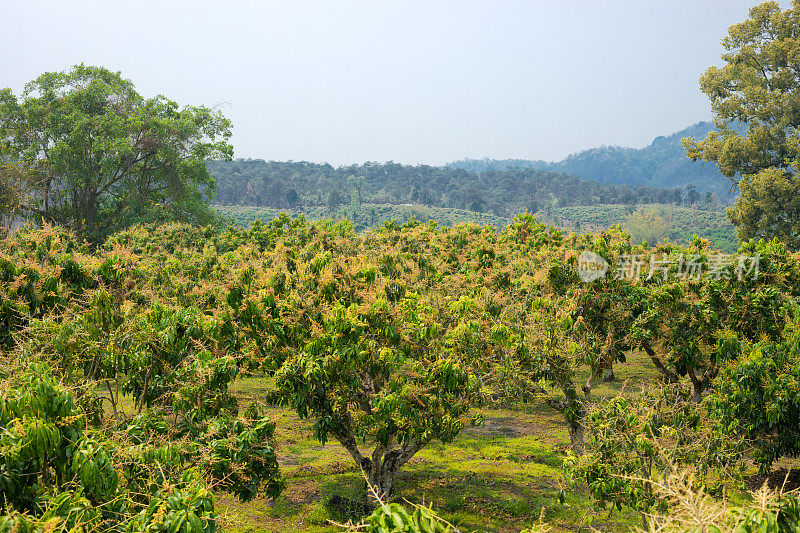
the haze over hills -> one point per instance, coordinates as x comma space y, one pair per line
662, 164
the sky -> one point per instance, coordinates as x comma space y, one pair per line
408, 81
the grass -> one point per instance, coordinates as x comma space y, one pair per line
498, 477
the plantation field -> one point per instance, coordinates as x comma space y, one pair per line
669, 222
295, 375
537, 353
365, 216
501, 476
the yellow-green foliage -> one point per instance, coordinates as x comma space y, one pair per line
387, 342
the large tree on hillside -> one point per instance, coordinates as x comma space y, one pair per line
758, 87
88, 152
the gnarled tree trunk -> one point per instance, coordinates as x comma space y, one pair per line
574, 412
380, 469
700, 384
669, 375
576, 440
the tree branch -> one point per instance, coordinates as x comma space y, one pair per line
669, 375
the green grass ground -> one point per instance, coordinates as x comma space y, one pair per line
499, 477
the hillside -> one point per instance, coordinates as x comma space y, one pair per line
647, 190
661, 164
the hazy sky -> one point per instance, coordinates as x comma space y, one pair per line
410, 81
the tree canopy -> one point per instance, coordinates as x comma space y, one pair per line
758, 86
85, 151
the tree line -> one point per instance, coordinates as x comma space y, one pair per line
282, 184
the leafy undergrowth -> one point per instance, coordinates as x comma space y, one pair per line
498, 477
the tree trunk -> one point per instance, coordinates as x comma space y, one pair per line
575, 425
669, 375
697, 391
112, 399
576, 438
698, 386
379, 469
607, 358
594, 375
380, 476
84, 207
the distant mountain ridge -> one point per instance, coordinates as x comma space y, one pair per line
662, 164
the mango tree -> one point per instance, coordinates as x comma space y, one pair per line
757, 397
60, 466
560, 325
686, 323
638, 443
371, 374
357, 351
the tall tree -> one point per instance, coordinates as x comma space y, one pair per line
758, 87
91, 154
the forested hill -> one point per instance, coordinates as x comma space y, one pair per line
661, 164
500, 192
